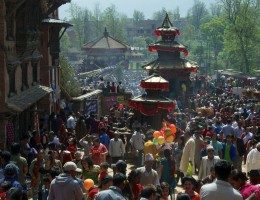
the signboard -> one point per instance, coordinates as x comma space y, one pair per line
91, 106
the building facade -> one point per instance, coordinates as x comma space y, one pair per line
29, 67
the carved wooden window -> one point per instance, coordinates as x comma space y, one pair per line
35, 73
24, 67
11, 73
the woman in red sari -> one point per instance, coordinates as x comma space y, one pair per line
98, 152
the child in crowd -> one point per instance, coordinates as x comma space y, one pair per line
46, 187
210, 178
103, 171
165, 191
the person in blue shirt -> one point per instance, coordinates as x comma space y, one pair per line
104, 138
10, 172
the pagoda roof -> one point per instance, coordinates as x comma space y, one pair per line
155, 82
106, 42
168, 46
167, 28
171, 64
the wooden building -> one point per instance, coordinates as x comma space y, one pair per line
29, 69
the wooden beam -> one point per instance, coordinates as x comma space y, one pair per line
21, 2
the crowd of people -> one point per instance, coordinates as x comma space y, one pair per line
213, 155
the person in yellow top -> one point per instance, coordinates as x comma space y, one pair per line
150, 147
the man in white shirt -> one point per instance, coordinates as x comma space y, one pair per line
253, 164
221, 189
207, 162
71, 123
116, 148
137, 141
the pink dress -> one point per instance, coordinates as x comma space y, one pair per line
248, 189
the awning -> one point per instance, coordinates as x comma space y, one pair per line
27, 98
87, 95
50, 21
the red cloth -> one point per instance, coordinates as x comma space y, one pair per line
113, 88
92, 193
136, 190
102, 175
97, 159
72, 148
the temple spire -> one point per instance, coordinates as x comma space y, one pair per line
166, 22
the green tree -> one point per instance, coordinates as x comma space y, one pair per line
242, 32
197, 13
68, 78
77, 16
213, 32
112, 20
138, 16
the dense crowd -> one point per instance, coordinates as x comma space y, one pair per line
215, 155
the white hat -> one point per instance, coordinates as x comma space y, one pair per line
149, 157
69, 166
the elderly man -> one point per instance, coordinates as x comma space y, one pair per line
207, 163
253, 164
148, 174
65, 186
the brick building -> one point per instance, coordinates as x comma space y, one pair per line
29, 69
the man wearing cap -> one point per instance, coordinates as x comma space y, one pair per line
148, 174
253, 164
114, 192
105, 183
207, 163
119, 167
65, 186
116, 148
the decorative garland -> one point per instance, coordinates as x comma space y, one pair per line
139, 106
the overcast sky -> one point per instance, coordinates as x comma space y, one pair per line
148, 7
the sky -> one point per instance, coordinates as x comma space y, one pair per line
148, 7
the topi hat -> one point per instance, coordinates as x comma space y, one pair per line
148, 157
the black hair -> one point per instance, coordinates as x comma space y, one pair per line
54, 171
148, 191
133, 174
222, 169
89, 161
6, 155
183, 196
236, 175
15, 148
104, 165
189, 178
14, 193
